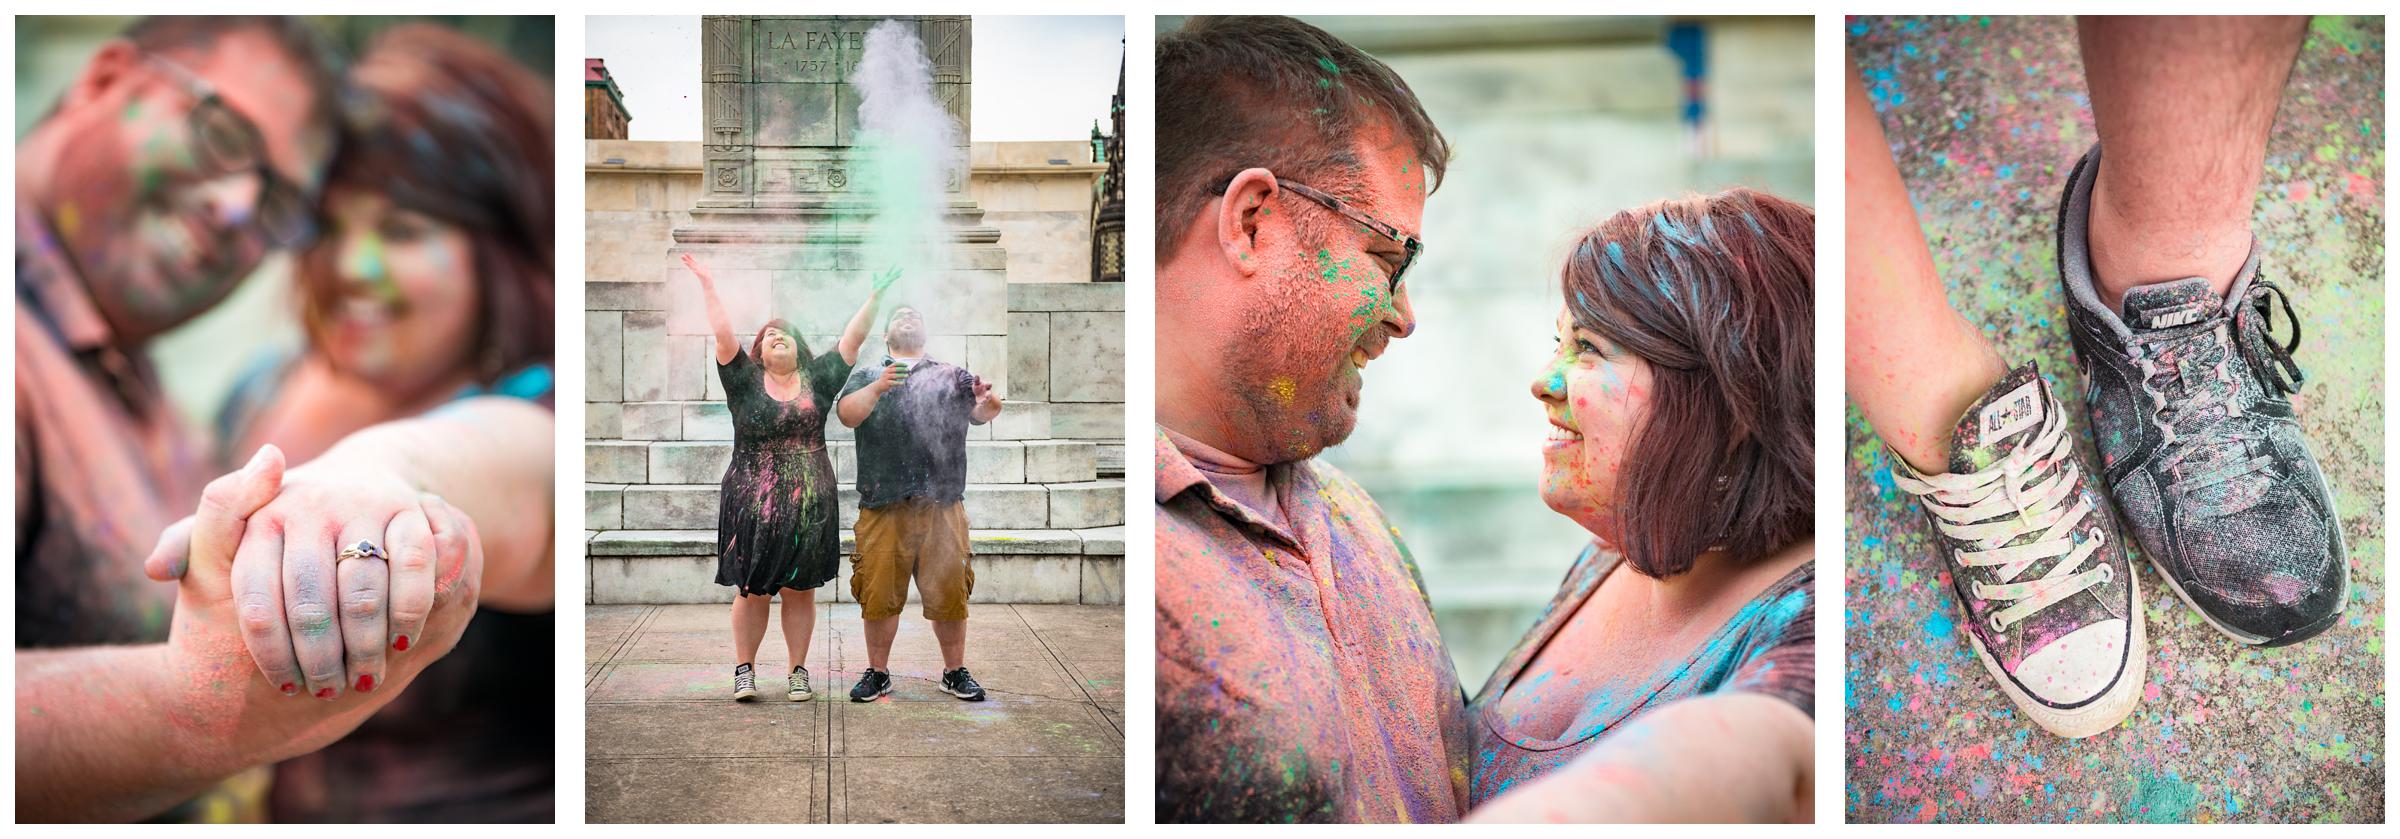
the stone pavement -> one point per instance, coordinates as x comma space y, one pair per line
1988, 114
665, 742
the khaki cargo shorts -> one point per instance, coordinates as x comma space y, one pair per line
912, 539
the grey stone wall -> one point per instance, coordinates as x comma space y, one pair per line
1046, 487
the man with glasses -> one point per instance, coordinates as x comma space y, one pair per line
1300, 676
912, 413
183, 153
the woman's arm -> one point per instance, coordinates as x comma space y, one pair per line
717, 322
855, 334
1724, 757
492, 458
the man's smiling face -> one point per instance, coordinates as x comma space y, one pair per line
1325, 306
158, 235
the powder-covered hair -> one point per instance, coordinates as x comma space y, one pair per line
1716, 293
1236, 92
800, 351
446, 125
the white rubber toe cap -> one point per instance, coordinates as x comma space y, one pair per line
2078, 667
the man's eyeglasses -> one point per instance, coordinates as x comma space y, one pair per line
226, 143
1408, 244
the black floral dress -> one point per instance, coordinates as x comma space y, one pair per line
777, 527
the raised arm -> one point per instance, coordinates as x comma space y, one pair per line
855, 334
717, 322
1724, 757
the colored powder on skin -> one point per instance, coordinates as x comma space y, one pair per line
1285, 389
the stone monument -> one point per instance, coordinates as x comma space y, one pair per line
780, 216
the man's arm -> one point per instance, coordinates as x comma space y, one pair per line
95, 741
987, 402
1725, 757
854, 407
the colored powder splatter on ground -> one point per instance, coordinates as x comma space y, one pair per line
2223, 733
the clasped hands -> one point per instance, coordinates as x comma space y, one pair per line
268, 614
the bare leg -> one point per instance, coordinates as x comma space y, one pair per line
799, 622
953, 637
1914, 365
749, 627
2183, 105
879, 642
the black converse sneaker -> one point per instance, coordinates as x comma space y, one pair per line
2051, 605
872, 685
961, 684
799, 685
2190, 402
745, 683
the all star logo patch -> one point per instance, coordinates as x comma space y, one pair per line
2019, 410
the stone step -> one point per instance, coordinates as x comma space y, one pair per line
693, 462
708, 420
1011, 566
680, 506
1088, 504
1111, 459
1060, 461
1102, 541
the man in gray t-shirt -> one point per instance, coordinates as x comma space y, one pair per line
912, 414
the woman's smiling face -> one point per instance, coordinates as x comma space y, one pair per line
403, 314
1595, 395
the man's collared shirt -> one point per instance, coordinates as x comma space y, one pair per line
1300, 676
102, 464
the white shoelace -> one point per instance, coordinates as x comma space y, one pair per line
2208, 408
2018, 496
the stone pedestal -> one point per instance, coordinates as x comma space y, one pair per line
779, 220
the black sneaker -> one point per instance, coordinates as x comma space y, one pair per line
872, 685
2050, 602
961, 684
798, 683
2190, 402
745, 683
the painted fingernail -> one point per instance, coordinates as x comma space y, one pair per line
366, 683
324, 693
290, 689
400, 643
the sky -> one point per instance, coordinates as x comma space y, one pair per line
1036, 78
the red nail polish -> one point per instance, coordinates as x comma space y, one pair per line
324, 693
289, 688
400, 643
366, 683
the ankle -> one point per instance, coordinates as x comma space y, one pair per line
2132, 245
1925, 445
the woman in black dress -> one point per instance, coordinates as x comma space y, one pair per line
777, 528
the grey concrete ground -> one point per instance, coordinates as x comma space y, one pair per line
665, 742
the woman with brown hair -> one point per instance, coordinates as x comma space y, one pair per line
1672, 676
428, 295
777, 527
